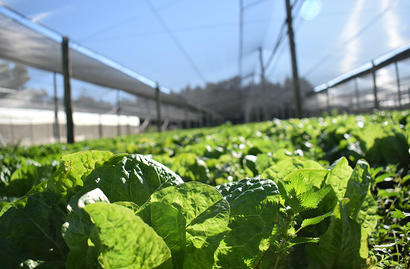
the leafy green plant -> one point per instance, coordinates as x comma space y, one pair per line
286, 197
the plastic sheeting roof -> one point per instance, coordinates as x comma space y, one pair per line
382, 61
35, 45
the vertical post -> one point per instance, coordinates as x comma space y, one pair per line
186, 116
262, 67
158, 101
327, 100
67, 90
376, 100
100, 127
247, 111
296, 86
240, 40
118, 113
31, 132
356, 91
56, 122
398, 82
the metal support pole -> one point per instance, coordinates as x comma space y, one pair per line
376, 100
356, 91
158, 101
118, 113
67, 90
296, 86
100, 127
262, 68
327, 100
186, 116
31, 132
56, 122
396, 66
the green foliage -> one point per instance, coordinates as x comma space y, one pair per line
287, 197
130, 178
73, 170
120, 239
192, 218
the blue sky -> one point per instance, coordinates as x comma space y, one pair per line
343, 35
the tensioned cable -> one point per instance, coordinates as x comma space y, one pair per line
175, 39
118, 24
188, 29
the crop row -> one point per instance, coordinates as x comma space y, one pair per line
313, 193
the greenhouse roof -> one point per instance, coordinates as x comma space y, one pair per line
382, 61
35, 45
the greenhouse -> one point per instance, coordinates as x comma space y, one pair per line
185, 134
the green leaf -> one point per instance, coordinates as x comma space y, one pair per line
123, 240
254, 217
25, 177
192, 218
357, 188
288, 165
338, 176
313, 197
344, 244
32, 231
398, 214
313, 221
73, 170
249, 164
302, 180
339, 246
169, 223
130, 178
190, 167
77, 228
300, 189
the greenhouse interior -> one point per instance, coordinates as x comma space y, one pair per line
214, 134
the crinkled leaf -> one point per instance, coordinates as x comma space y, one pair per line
302, 179
344, 245
73, 170
130, 178
122, 240
287, 165
197, 218
254, 217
